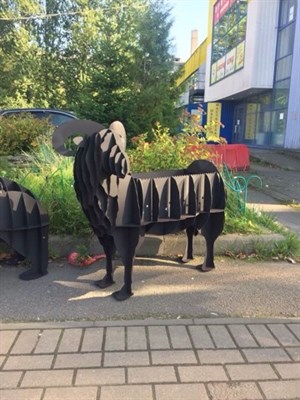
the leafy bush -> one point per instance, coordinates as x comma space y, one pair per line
21, 133
165, 151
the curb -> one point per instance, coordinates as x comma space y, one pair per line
169, 245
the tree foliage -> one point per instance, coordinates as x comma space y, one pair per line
105, 59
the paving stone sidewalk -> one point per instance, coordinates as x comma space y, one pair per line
203, 359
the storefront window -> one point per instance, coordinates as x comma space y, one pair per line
281, 94
229, 33
263, 128
278, 127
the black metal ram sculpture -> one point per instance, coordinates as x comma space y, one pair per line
122, 207
24, 227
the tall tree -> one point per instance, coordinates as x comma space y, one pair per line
157, 91
19, 54
105, 59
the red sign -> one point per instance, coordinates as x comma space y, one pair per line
220, 8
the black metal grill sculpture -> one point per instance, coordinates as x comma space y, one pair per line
123, 207
24, 226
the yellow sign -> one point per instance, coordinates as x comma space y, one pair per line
250, 121
240, 53
230, 62
213, 119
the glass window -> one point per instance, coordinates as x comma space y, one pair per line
283, 68
278, 127
58, 119
286, 41
287, 11
281, 93
243, 8
264, 122
242, 29
229, 33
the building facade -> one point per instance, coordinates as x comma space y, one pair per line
251, 68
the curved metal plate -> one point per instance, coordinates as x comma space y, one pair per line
76, 127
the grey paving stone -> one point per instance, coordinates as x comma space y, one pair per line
263, 336
6, 340
100, 376
92, 339
266, 355
47, 378
294, 353
128, 392
118, 359
79, 360
283, 335
187, 391
234, 390
136, 338
158, 337
78, 393
221, 337
202, 373
9, 379
295, 328
48, 341
151, 374
200, 337
242, 336
70, 341
252, 372
168, 357
281, 390
288, 371
26, 342
220, 356
179, 337
115, 339
28, 362
21, 394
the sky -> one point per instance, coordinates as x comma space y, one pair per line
188, 15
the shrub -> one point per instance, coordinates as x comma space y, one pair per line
165, 151
21, 133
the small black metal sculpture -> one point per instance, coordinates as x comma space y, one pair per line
123, 207
24, 226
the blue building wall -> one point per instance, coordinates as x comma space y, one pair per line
226, 117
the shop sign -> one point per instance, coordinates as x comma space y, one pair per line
213, 118
250, 121
230, 62
213, 76
220, 68
240, 54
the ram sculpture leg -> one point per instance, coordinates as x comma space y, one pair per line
126, 240
37, 253
189, 251
109, 248
211, 230
192, 231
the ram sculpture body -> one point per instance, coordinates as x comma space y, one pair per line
122, 207
24, 226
